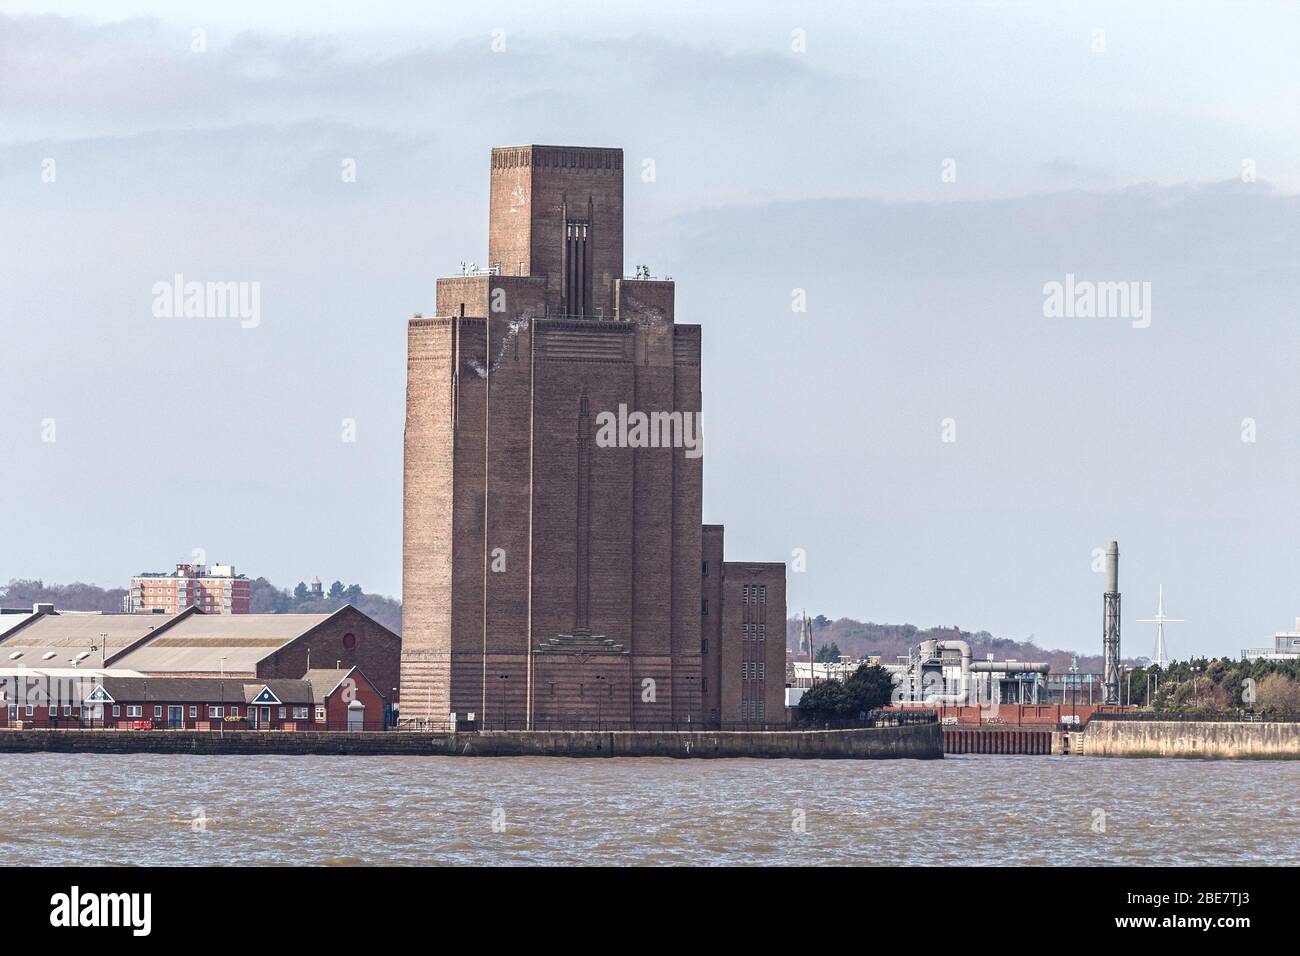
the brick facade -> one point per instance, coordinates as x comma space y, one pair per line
347, 638
753, 643
549, 578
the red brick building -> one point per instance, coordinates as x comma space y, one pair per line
50, 648
552, 576
266, 646
324, 699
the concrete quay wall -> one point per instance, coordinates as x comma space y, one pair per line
919, 741
1183, 738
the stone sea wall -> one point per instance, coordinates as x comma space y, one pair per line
919, 741
1181, 738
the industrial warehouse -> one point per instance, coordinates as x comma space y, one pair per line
198, 671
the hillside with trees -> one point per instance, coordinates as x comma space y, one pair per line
1200, 685
264, 598
24, 592
858, 639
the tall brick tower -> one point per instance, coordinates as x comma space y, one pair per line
550, 579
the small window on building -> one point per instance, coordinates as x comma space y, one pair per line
282, 713
117, 710
194, 710
234, 710
704, 607
67, 710
134, 710
704, 645
216, 712
704, 569
157, 710
300, 713
30, 710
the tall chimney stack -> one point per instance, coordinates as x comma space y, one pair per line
1110, 627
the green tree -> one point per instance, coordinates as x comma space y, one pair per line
828, 653
336, 590
825, 700
353, 593
870, 687
300, 592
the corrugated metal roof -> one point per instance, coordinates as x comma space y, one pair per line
8, 621
198, 643
54, 639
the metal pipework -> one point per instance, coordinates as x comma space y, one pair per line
1112, 568
933, 650
1011, 667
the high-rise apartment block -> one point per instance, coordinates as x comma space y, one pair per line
213, 588
555, 565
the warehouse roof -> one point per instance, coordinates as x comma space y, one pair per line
53, 639
9, 619
210, 643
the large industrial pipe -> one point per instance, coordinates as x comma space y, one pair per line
962, 692
1011, 667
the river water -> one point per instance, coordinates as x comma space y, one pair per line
968, 810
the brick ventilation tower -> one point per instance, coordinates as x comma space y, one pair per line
548, 578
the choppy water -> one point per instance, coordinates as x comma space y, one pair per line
235, 810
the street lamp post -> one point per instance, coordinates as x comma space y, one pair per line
690, 695
221, 728
502, 678
1074, 684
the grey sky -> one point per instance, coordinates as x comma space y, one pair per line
775, 170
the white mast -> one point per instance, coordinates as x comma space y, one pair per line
1161, 659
